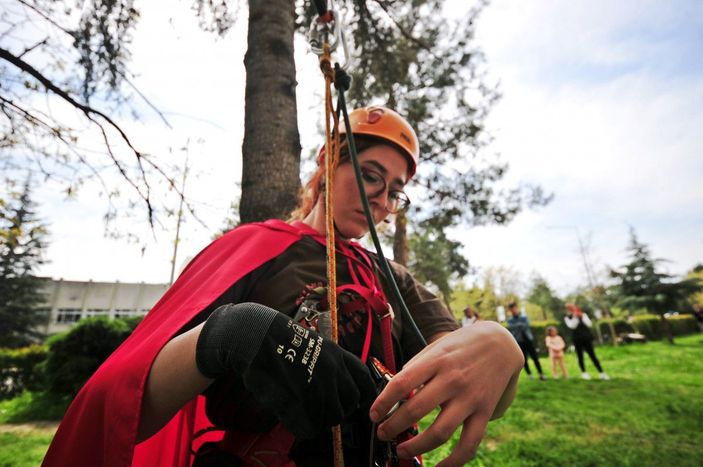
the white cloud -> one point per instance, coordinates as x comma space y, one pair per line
619, 146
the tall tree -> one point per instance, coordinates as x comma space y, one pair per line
412, 58
436, 259
481, 297
541, 294
271, 147
641, 286
21, 244
695, 273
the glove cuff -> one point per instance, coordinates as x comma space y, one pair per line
231, 337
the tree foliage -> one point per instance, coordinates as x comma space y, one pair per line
65, 80
640, 286
22, 240
550, 305
695, 273
410, 57
75, 355
435, 258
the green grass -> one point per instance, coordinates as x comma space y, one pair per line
32, 407
24, 447
649, 414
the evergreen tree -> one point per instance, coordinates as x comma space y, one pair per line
541, 294
21, 244
409, 56
640, 286
436, 259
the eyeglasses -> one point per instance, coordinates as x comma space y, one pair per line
375, 185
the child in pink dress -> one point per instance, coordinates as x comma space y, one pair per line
556, 346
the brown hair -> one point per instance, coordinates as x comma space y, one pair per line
316, 184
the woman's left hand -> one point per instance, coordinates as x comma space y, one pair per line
470, 373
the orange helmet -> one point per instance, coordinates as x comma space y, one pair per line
385, 124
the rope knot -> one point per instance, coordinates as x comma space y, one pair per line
342, 80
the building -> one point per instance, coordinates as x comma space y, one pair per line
70, 301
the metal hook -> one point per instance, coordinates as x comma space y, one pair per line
328, 29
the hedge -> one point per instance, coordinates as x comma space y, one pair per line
620, 325
75, 355
649, 325
652, 326
19, 370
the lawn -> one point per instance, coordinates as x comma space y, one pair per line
650, 413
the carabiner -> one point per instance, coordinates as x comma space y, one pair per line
328, 29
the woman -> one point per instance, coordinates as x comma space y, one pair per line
582, 337
269, 382
470, 316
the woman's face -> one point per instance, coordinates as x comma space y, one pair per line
380, 160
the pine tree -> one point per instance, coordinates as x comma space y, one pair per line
409, 56
436, 259
541, 294
21, 245
639, 285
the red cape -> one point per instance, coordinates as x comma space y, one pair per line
100, 426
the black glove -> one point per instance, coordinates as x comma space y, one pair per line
309, 382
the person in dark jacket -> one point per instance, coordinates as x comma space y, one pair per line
582, 337
519, 327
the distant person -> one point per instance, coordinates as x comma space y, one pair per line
470, 316
556, 346
519, 327
582, 337
698, 314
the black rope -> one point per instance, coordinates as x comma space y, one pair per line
342, 81
321, 6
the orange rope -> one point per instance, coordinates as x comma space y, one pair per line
331, 159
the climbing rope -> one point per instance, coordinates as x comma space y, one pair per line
331, 159
325, 35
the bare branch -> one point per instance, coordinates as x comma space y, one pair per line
29, 49
45, 17
148, 102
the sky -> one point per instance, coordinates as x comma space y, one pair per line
602, 105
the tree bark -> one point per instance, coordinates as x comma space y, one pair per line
400, 239
271, 147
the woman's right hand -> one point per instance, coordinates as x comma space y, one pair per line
309, 382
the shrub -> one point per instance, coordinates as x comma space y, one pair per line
132, 321
620, 326
649, 325
539, 331
75, 355
19, 370
652, 326
682, 325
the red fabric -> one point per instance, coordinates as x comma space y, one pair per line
257, 449
100, 426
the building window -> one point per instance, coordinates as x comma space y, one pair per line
125, 313
68, 315
96, 312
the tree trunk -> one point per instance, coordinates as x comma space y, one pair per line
666, 326
400, 239
271, 147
